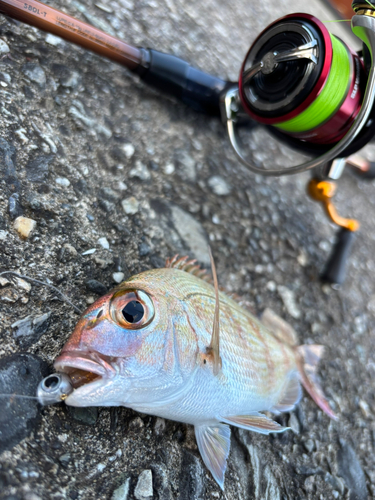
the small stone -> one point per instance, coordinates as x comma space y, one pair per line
109, 194
140, 171
130, 205
103, 242
186, 167
62, 181
89, 252
3, 235
122, 492
143, 489
4, 47
37, 169
271, 286
14, 206
122, 186
191, 232
144, 249
96, 286
294, 424
34, 73
219, 186
87, 416
309, 445
350, 470
365, 408
67, 252
24, 226
27, 331
289, 300
65, 459
118, 277
128, 150
19, 374
169, 169
159, 426
54, 40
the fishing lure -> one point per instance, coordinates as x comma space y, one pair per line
166, 342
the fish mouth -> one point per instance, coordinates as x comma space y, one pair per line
83, 368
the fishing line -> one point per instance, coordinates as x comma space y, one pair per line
42, 283
330, 98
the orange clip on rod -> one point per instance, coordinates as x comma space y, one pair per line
54, 21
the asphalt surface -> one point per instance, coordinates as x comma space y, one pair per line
100, 161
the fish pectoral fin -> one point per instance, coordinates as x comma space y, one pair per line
290, 397
214, 444
255, 422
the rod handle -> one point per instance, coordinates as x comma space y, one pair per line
335, 269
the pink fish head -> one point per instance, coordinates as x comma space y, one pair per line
129, 344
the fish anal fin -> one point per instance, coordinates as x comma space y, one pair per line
214, 444
279, 327
290, 397
254, 422
307, 360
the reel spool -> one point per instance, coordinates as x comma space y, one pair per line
302, 80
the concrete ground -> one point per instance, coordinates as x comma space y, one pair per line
100, 161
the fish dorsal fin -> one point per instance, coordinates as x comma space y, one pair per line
256, 422
290, 397
189, 266
214, 445
280, 328
214, 348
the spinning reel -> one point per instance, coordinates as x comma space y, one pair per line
305, 85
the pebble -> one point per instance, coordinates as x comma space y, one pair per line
219, 186
169, 169
159, 426
128, 150
4, 47
294, 424
191, 232
96, 287
289, 300
350, 470
140, 171
122, 492
143, 489
365, 408
144, 249
14, 206
130, 205
87, 416
24, 226
34, 73
103, 242
54, 40
191, 477
186, 167
19, 374
37, 169
3, 234
89, 252
109, 194
27, 331
62, 181
118, 277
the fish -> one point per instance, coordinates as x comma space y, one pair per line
167, 342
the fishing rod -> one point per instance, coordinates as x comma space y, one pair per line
308, 87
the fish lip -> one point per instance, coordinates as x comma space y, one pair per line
73, 359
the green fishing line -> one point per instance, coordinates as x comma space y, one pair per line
329, 99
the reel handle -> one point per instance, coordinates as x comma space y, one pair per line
335, 269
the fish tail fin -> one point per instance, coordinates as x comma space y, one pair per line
308, 357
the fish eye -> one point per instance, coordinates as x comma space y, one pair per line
132, 309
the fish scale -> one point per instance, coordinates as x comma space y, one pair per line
165, 363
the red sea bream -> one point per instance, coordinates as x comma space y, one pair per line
150, 345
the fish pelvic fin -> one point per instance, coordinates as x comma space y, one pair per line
214, 444
282, 330
308, 357
256, 422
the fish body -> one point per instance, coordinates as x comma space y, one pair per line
146, 346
